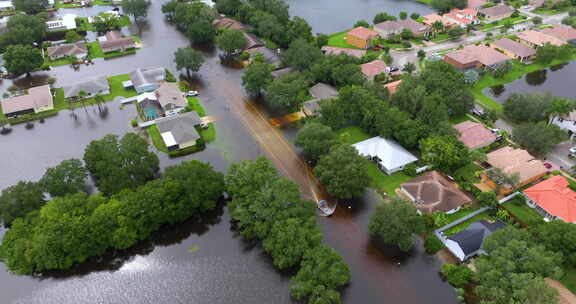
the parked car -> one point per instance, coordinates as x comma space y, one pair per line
394, 69
548, 166
203, 125
478, 110
573, 150
191, 93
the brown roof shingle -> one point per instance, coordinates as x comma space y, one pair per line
37, 97
432, 192
562, 32
474, 135
514, 47
362, 33
519, 161
67, 49
374, 68
539, 38
498, 10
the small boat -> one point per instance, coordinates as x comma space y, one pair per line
325, 208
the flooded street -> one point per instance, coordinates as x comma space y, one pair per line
203, 262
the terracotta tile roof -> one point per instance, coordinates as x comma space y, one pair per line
396, 26
539, 38
514, 47
462, 57
68, 49
331, 50
362, 33
481, 53
462, 16
554, 196
393, 86
496, 11
430, 19
374, 68
519, 161
37, 97
476, 4
228, 24
474, 135
562, 32
432, 192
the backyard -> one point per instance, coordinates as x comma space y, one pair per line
482, 216
339, 40
518, 208
352, 135
512, 20
569, 279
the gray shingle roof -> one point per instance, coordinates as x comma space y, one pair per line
323, 91
90, 86
472, 238
143, 76
181, 126
68, 49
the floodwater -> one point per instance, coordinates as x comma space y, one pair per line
329, 16
559, 80
201, 262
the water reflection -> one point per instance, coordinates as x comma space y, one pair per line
536, 78
497, 90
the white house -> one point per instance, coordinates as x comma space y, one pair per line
6, 6
567, 122
389, 155
66, 22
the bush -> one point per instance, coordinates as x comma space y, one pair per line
169, 76
244, 56
457, 275
487, 199
410, 169
134, 123
406, 44
432, 244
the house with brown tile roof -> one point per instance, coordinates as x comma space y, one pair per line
513, 49
428, 20
554, 199
320, 92
432, 192
535, 39
389, 28
562, 32
462, 17
392, 87
170, 97
476, 4
114, 41
252, 41
516, 161
360, 37
228, 24
335, 51
475, 56
497, 12
77, 49
373, 69
474, 135
37, 99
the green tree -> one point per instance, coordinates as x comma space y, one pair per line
362, 23
528, 107
23, 29
383, 16
228, 7
455, 32
558, 236
421, 54
188, 59
395, 222
457, 275
403, 15
546, 53
559, 107
20, 59
30, 6
443, 6
321, 273
537, 20
72, 36
135, 8
66, 178
344, 172
445, 153
288, 91
105, 22
301, 54
298, 28
414, 16
120, 164
18, 200
538, 138
201, 31
316, 139
257, 78
503, 179
230, 41
488, 199
409, 67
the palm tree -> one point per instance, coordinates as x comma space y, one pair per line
82, 95
437, 27
99, 99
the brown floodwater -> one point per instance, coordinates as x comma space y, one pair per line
201, 261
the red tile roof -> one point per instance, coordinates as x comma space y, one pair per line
474, 135
37, 97
374, 68
362, 33
562, 32
554, 196
475, 4
393, 86
462, 16
539, 38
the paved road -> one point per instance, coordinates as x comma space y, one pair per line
559, 155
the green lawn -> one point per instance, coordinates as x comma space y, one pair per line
59, 101
382, 181
497, 24
57, 62
550, 11
465, 224
524, 213
339, 40
458, 119
468, 172
518, 70
352, 135
464, 211
440, 38
194, 105
209, 134
569, 279
94, 50
119, 53
156, 138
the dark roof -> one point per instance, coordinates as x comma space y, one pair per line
90, 85
472, 238
142, 76
514, 47
116, 44
181, 126
68, 49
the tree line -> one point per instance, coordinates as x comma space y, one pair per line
268, 209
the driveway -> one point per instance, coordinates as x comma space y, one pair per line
559, 155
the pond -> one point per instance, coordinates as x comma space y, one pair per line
558, 80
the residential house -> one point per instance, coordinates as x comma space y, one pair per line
390, 28
566, 122
562, 32
373, 69
282, 72
115, 42
497, 12
515, 161
513, 49
536, 39
64, 23
360, 37
432, 18
554, 199
468, 242
148, 79
179, 132
90, 86
474, 135
476, 4
388, 155
540, 3
38, 99
252, 41
167, 100
462, 17
76, 49
270, 56
335, 51
475, 56
432, 192
392, 87
228, 24
6, 6
319, 92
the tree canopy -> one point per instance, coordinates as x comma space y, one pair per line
20, 59
231, 40
188, 59
135, 8
18, 200
121, 164
538, 138
527, 107
288, 91
445, 152
316, 139
30, 6
343, 171
24, 30
257, 78
301, 54
66, 178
